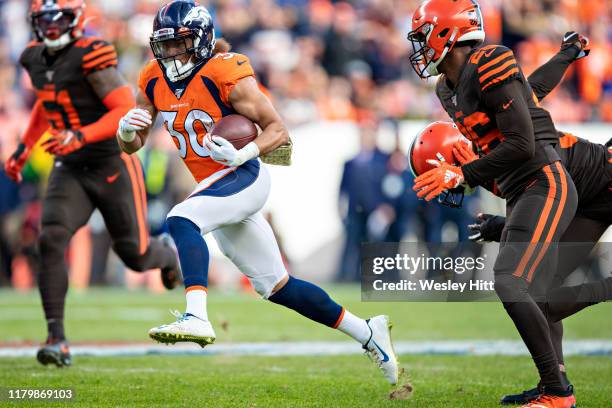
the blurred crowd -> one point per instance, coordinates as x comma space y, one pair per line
320, 60
377, 205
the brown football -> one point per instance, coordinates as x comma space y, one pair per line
236, 129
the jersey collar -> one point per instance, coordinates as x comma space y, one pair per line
178, 87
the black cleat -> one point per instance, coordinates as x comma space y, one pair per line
54, 352
528, 396
522, 398
172, 276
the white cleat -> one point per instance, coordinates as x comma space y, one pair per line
380, 348
186, 328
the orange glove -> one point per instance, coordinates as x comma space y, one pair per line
64, 142
16, 162
433, 182
463, 153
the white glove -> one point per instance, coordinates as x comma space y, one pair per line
225, 153
135, 120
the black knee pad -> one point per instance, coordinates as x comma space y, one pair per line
511, 288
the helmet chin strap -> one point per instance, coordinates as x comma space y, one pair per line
58, 43
174, 72
432, 69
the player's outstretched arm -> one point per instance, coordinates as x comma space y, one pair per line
546, 78
135, 126
247, 99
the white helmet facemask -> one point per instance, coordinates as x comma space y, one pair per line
59, 42
176, 70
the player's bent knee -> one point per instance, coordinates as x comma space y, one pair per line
267, 285
53, 239
280, 284
181, 228
129, 253
510, 288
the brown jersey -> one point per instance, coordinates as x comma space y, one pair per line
589, 164
487, 68
69, 100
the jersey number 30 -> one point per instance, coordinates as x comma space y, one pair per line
192, 135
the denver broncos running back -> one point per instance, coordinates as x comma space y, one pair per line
80, 98
192, 87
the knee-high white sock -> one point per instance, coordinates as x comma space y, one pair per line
196, 303
355, 327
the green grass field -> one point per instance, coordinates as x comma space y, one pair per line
241, 381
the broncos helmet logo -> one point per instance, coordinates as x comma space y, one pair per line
199, 14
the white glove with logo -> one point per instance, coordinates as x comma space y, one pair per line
225, 153
135, 120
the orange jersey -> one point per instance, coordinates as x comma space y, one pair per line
191, 107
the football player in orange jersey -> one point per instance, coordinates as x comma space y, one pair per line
80, 97
192, 88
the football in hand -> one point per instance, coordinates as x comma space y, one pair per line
236, 129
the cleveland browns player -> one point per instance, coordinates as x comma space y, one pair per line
80, 97
484, 91
192, 87
593, 218
590, 166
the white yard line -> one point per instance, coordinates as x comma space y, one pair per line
458, 347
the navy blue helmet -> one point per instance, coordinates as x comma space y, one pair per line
183, 38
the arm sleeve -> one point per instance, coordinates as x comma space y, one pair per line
118, 102
509, 104
37, 126
544, 79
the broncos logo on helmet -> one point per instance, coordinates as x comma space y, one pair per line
183, 38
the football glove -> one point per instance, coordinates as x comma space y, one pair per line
222, 151
15, 163
441, 178
463, 153
572, 38
135, 120
488, 228
64, 142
